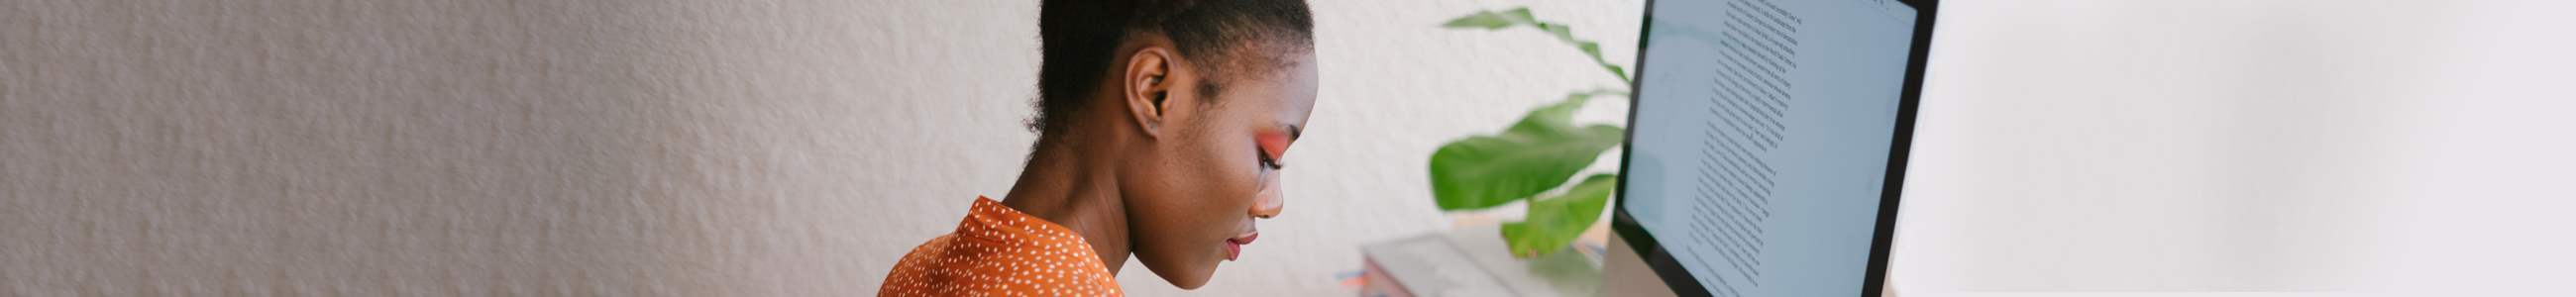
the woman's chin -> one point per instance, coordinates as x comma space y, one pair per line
1189, 282
1191, 277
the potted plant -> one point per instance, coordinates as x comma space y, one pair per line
1535, 156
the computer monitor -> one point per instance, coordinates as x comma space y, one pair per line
1767, 143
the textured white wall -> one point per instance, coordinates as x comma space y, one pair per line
2398, 148
689, 147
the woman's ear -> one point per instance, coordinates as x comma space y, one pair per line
1148, 82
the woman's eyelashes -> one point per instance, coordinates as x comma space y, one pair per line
1266, 161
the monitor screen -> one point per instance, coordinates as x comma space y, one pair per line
1763, 139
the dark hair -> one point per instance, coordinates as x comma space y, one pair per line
1079, 40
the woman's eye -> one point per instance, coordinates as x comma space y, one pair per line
1269, 146
1266, 162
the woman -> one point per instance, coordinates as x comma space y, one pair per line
1162, 127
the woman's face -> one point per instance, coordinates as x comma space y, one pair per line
1193, 195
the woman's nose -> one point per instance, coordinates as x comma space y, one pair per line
1271, 199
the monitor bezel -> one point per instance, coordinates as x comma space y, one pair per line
1882, 236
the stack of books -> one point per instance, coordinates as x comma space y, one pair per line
1475, 262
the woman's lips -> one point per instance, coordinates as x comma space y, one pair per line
1234, 246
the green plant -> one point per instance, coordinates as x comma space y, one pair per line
1533, 156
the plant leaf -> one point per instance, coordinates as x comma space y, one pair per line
1489, 20
1554, 222
1520, 16
1536, 154
1552, 118
1622, 93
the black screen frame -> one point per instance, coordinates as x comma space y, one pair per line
1883, 235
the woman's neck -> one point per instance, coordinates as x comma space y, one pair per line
1061, 187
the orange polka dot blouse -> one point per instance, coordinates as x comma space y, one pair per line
999, 251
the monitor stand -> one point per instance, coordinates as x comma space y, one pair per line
1623, 273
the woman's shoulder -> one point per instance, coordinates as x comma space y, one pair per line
917, 273
951, 265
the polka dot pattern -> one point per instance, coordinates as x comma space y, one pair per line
999, 251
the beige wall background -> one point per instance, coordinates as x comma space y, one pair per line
657, 147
